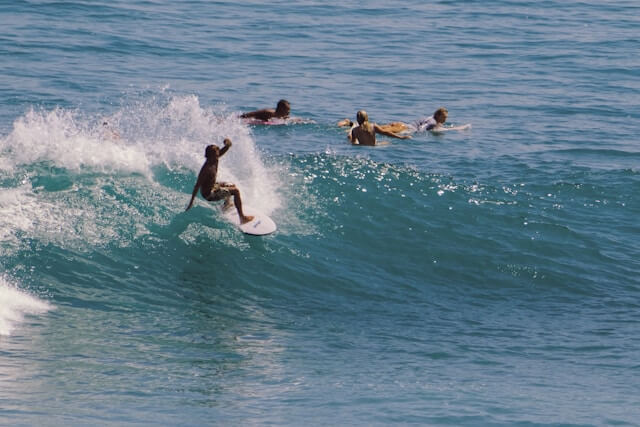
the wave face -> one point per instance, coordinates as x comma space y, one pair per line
481, 277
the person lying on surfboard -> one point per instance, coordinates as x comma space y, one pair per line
365, 132
212, 190
434, 123
281, 112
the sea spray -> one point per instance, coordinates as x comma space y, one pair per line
81, 180
173, 132
67, 140
15, 304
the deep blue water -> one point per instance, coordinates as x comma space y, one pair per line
481, 277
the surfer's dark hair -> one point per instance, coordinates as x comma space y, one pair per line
283, 104
210, 151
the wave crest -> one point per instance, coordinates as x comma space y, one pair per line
15, 304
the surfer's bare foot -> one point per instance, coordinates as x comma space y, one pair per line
245, 219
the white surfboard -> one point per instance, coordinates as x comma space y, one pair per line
441, 129
260, 225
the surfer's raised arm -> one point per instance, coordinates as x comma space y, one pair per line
227, 145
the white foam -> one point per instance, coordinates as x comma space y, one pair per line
109, 194
176, 134
66, 140
15, 304
25, 215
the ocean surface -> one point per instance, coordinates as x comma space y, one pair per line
481, 277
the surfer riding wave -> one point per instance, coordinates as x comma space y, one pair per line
214, 191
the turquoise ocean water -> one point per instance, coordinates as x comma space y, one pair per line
482, 277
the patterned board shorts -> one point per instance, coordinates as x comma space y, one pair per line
220, 191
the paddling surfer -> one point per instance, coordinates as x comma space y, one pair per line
212, 190
434, 123
282, 111
365, 132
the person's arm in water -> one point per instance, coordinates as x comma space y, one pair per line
381, 131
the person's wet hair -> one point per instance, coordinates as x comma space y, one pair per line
362, 116
283, 104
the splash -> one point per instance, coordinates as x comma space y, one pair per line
173, 131
67, 140
177, 133
15, 304
80, 180
157, 131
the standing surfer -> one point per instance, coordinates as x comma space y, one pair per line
212, 190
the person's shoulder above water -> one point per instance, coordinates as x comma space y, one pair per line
365, 132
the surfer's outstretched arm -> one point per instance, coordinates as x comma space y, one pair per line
381, 131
